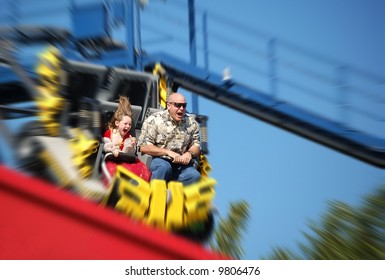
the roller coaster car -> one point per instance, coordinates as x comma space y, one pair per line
63, 149
184, 210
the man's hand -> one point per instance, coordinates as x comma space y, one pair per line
182, 159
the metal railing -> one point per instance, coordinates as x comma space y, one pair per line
290, 73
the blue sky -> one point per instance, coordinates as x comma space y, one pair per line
287, 180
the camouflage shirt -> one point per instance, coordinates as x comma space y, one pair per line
162, 131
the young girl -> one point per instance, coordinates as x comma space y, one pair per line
117, 139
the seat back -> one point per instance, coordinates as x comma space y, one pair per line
144, 157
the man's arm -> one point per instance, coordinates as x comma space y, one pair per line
195, 150
155, 151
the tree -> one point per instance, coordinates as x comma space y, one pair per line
227, 236
345, 233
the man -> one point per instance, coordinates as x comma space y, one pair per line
174, 134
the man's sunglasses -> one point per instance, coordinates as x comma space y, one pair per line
178, 105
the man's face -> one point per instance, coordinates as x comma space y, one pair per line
177, 107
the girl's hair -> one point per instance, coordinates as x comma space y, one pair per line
124, 109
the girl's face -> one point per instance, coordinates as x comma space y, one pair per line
124, 125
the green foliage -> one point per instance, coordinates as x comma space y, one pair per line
346, 233
227, 235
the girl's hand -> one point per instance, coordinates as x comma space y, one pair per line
133, 141
116, 152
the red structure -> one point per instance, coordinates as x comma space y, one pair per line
41, 221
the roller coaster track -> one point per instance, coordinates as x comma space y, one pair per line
334, 135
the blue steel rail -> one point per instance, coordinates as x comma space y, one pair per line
362, 146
